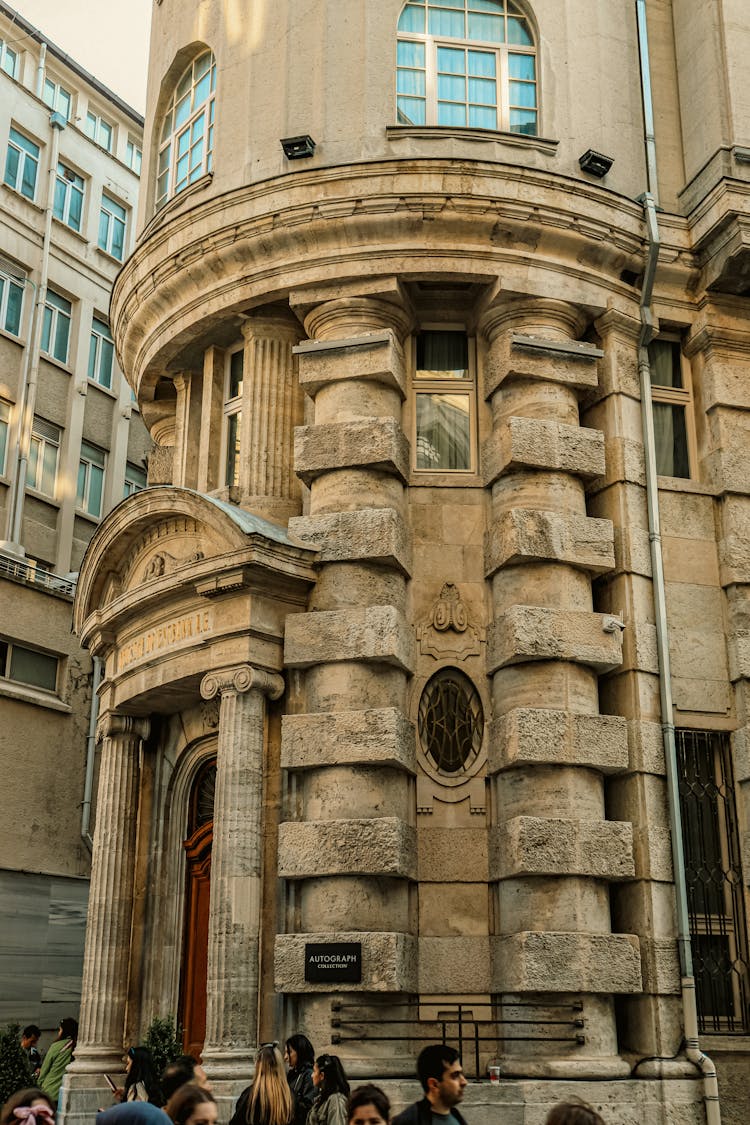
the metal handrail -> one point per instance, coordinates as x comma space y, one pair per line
26, 572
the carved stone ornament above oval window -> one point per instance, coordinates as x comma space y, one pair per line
448, 630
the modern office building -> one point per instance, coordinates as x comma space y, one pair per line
424, 705
72, 445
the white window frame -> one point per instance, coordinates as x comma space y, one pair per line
232, 426
186, 148
92, 460
57, 310
57, 97
101, 353
136, 479
8, 56
9, 282
464, 387
45, 440
134, 155
7, 647
111, 219
20, 143
96, 126
678, 397
5, 412
502, 77
69, 186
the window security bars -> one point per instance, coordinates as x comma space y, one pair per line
718, 927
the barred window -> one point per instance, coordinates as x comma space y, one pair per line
451, 721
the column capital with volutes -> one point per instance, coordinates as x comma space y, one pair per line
239, 678
532, 316
113, 725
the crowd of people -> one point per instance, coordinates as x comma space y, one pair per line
297, 1088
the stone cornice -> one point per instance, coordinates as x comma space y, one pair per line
241, 678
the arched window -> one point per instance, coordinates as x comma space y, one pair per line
467, 63
187, 134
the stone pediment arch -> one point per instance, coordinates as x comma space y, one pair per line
165, 535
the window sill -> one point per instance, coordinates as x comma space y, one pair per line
6, 335
56, 363
108, 391
62, 225
110, 257
444, 132
426, 479
17, 195
685, 484
173, 203
80, 514
43, 498
23, 693
729, 1042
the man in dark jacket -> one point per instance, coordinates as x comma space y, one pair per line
442, 1077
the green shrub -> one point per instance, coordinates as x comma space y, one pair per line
164, 1041
15, 1073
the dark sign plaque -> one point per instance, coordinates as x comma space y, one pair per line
338, 962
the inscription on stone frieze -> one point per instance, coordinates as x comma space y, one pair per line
165, 636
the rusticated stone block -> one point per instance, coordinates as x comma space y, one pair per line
660, 963
646, 747
538, 736
524, 534
565, 962
632, 551
454, 965
652, 849
389, 962
527, 632
438, 848
640, 653
535, 444
377, 356
377, 846
379, 736
527, 845
363, 443
376, 633
572, 363
373, 534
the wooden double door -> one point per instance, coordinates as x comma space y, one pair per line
192, 1013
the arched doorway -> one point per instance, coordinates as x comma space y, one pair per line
198, 875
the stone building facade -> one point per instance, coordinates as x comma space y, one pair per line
72, 445
428, 643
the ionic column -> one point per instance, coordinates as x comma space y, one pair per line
271, 408
554, 853
348, 849
110, 909
236, 863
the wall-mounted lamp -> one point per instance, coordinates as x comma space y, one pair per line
296, 148
596, 163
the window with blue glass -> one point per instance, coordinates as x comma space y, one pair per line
467, 64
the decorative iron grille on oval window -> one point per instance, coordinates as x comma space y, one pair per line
451, 721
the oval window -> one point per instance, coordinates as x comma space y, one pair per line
451, 721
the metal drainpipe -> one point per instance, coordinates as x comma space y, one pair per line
88, 787
9, 545
648, 330
57, 124
41, 69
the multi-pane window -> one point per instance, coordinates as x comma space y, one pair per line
112, 222
671, 406
713, 872
27, 665
99, 130
57, 98
466, 63
135, 479
56, 326
233, 417
11, 300
101, 353
444, 403
21, 164
4, 430
44, 453
133, 156
90, 488
187, 133
68, 205
8, 59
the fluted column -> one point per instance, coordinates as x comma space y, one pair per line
236, 862
271, 408
110, 909
554, 852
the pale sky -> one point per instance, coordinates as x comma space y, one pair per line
107, 38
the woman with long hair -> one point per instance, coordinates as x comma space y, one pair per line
368, 1105
141, 1083
300, 1056
28, 1107
58, 1059
330, 1105
192, 1105
268, 1100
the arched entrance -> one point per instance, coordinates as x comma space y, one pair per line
198, 875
